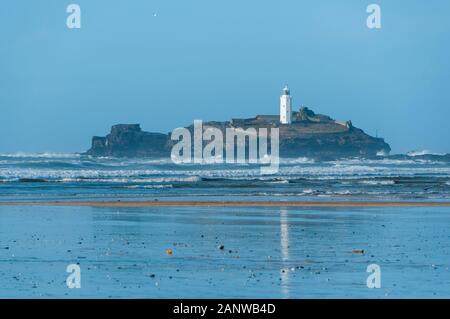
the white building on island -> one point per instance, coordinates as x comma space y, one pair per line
286, 106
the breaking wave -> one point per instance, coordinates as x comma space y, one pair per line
44, 175
423, 152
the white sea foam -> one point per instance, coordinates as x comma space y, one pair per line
299, 160
284, 181
423, 152
135, 180
158, 172
286, 173
149, 186
382, 153
159, 186
40, 155
344, 192
378, 182
384, 161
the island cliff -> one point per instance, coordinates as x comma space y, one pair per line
309, 135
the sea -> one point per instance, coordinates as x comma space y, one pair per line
222, 252
47, 176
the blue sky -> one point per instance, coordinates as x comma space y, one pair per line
208, 59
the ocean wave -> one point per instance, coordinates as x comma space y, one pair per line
423, 152
191, 179
159, 186
384, 161
292, 174
299, 160
345, 193
40, 155
32, 180
62, 160
83, 169
282, 181
378, 182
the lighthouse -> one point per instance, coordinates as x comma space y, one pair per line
285, 106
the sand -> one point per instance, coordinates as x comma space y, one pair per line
224, 252
230, 204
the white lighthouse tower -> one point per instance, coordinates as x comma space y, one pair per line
285, 106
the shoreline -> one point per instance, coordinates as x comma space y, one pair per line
305, 204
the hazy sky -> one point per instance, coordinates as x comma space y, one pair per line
165, 63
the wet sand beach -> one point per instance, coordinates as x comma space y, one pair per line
154, 203
224, 252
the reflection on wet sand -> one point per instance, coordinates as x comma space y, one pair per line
284, 245
268, 253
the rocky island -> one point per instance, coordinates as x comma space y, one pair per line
308, 134
301, 134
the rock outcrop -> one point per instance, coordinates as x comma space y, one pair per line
128, 140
